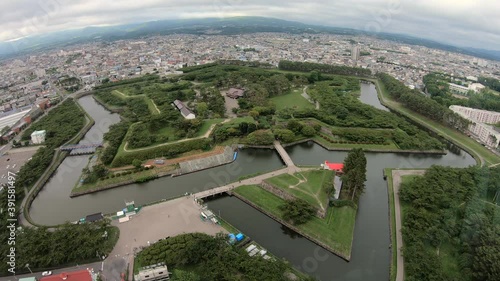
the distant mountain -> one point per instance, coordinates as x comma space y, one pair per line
226, 26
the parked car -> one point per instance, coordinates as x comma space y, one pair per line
46, 273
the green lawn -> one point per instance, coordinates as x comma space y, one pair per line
151, 106
284, 180
238, 120
294, 99
305, 185
207, 123
336, 230
479, 152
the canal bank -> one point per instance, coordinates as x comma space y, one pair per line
370, 256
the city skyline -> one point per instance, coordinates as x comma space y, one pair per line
465, 23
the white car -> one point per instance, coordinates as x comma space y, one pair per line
46, 273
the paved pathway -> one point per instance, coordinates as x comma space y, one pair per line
396, 183
284, 155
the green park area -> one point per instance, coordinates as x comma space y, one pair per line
448, 228
293, 99
336, 230
312, 186
190, 256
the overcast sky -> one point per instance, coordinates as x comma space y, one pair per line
472, 23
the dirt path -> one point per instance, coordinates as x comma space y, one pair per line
396, 183
156, 107
125, 148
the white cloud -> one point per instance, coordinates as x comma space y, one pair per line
468, 22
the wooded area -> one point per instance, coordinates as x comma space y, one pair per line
451, 230
414, 100
212, 258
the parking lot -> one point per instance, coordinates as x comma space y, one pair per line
13, 159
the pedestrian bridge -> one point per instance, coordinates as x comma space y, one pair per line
70, 147
283, 154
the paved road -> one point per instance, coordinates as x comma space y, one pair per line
396, 183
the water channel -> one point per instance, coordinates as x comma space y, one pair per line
370, 254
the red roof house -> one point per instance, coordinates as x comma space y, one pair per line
81, 275
337, 167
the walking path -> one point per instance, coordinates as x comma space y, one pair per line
284, 155
396, 183
306, 96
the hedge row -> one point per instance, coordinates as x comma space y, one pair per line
330, 140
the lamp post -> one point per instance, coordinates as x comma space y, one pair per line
28, 266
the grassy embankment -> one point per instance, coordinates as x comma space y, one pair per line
294, 100
335, 230
480, 153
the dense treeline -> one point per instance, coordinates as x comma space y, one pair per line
114, 138
417, 102
212, 258
437, 86
490, 82
354, 176
324, 68
61, 124
450, 230
145, 78
341, 109
68, 245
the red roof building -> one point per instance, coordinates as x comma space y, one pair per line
81, 275
337, 167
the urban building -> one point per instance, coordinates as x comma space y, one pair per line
477, 115
355, 53
479, 127
157, 272
458, 89
38, 137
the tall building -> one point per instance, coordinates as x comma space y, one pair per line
38, 137
477, 115
355, 53
479, 127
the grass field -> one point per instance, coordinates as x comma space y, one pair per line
292, 100
336, 230
390, 191
480, 153
305, 185
207, 123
